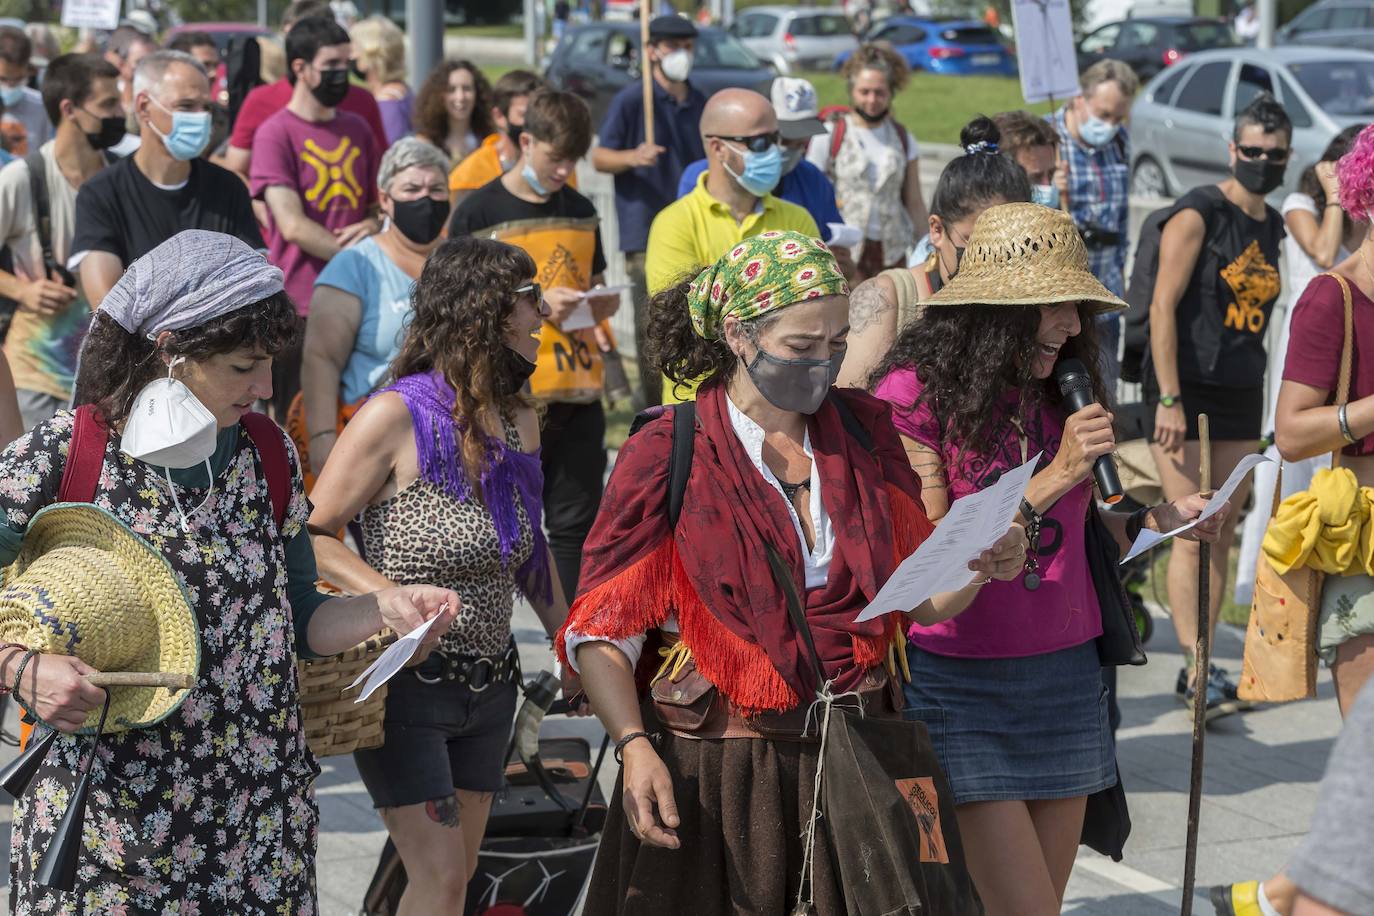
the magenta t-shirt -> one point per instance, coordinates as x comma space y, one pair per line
1315, 339
1006, 620
332, 165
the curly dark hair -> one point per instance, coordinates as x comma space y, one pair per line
115, 365
969, 357
880, 56
431, 104
1338, 147
461, 306
673, 347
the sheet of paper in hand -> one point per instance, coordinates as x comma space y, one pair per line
392, 660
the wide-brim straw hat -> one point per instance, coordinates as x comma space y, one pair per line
85, 584
1025, 254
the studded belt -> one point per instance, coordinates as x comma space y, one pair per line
476, 672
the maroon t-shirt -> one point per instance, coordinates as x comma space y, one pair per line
1315, 338
265, 101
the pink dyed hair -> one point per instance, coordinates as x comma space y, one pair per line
1355, 171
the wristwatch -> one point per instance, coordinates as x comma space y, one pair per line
1170, 400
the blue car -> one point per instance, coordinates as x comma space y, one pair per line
963, 47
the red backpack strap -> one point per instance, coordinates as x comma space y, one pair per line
834, 115
276, 466
85, 457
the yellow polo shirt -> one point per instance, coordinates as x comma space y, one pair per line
695, 230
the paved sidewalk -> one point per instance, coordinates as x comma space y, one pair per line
1262, 774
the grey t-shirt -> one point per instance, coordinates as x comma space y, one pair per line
1335, 864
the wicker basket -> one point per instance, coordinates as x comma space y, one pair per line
334, 723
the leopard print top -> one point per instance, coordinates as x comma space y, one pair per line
423, 536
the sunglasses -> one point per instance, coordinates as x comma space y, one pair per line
1277, 154
759, 143
533, 290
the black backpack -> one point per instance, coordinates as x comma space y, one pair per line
42, 220
684, 444
1142, 285
242, 72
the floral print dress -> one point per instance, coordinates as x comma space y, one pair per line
211, 811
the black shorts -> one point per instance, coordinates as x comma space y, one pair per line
1233, 414
438, 738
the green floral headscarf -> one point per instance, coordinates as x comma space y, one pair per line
769, 271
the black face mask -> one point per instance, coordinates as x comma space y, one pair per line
355, 71
421, 220
1259, 176
111, 132
873, 119
514, 131
512, 371
332, 88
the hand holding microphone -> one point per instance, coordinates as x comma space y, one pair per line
1089, 439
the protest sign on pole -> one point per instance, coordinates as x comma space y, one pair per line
1045, 50
91, 14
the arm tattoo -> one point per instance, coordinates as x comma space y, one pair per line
443, 811
868, 301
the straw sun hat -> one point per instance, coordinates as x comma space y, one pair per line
1025, 254
84, 584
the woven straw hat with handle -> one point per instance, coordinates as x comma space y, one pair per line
84, 584
1025, 254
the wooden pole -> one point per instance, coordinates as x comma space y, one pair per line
141, 679
1202, 663
646, 71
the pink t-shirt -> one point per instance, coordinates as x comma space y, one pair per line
1006, 620
332, 165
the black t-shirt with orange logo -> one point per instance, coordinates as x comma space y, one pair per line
1224, 313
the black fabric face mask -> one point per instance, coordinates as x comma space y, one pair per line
111, 132
514, 131
332, 88
512, 371
1259, 176
421, 220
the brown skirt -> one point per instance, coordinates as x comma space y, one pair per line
743, 804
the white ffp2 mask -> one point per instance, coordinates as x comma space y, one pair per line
677, 65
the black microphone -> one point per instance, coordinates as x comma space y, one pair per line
1076, 385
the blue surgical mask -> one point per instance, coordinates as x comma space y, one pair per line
1097, 132
190, 132
1046, 195
11, 95
761, 171
532, 179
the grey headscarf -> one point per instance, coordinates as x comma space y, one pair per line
188, 280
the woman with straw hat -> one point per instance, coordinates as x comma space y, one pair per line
711, 807
1012, 688
209, 807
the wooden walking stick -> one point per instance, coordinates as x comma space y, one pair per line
1202, 663
646, 71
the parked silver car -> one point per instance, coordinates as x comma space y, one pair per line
1182, 120
794, 39
1331, 24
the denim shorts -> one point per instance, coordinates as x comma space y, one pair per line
1016, 729
438, 738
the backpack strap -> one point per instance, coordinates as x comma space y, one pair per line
85, 457
42, 210
276, 465
680, 459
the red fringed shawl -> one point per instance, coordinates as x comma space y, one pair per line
712, 574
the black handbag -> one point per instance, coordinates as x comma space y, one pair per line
1119, 643
888, 807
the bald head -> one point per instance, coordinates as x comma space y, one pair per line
737, 113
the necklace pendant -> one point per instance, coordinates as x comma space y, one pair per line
1031, 581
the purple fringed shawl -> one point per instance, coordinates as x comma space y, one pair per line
430, 400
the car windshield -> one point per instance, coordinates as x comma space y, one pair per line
1199, 36
1340, 87
724, 52
975, 35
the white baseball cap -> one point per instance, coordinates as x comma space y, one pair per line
794, 100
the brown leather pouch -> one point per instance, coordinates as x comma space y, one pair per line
684, 703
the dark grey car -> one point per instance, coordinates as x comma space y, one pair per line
598, 59
1331, 24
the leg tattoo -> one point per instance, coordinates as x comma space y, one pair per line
443, 810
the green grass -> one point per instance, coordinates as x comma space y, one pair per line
488, 30
934, 107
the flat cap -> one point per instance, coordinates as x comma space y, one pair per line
661, 27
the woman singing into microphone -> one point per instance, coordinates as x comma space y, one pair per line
1011, 690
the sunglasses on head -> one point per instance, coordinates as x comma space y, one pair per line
1277, 154
533, 290
759, 143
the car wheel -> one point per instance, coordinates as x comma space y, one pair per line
1148, 179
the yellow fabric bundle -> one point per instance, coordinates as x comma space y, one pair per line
1325, 527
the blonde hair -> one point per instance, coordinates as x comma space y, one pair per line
380, 47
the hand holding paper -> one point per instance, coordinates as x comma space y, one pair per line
1148, 539
394, 658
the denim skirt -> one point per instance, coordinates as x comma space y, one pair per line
1016, 729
